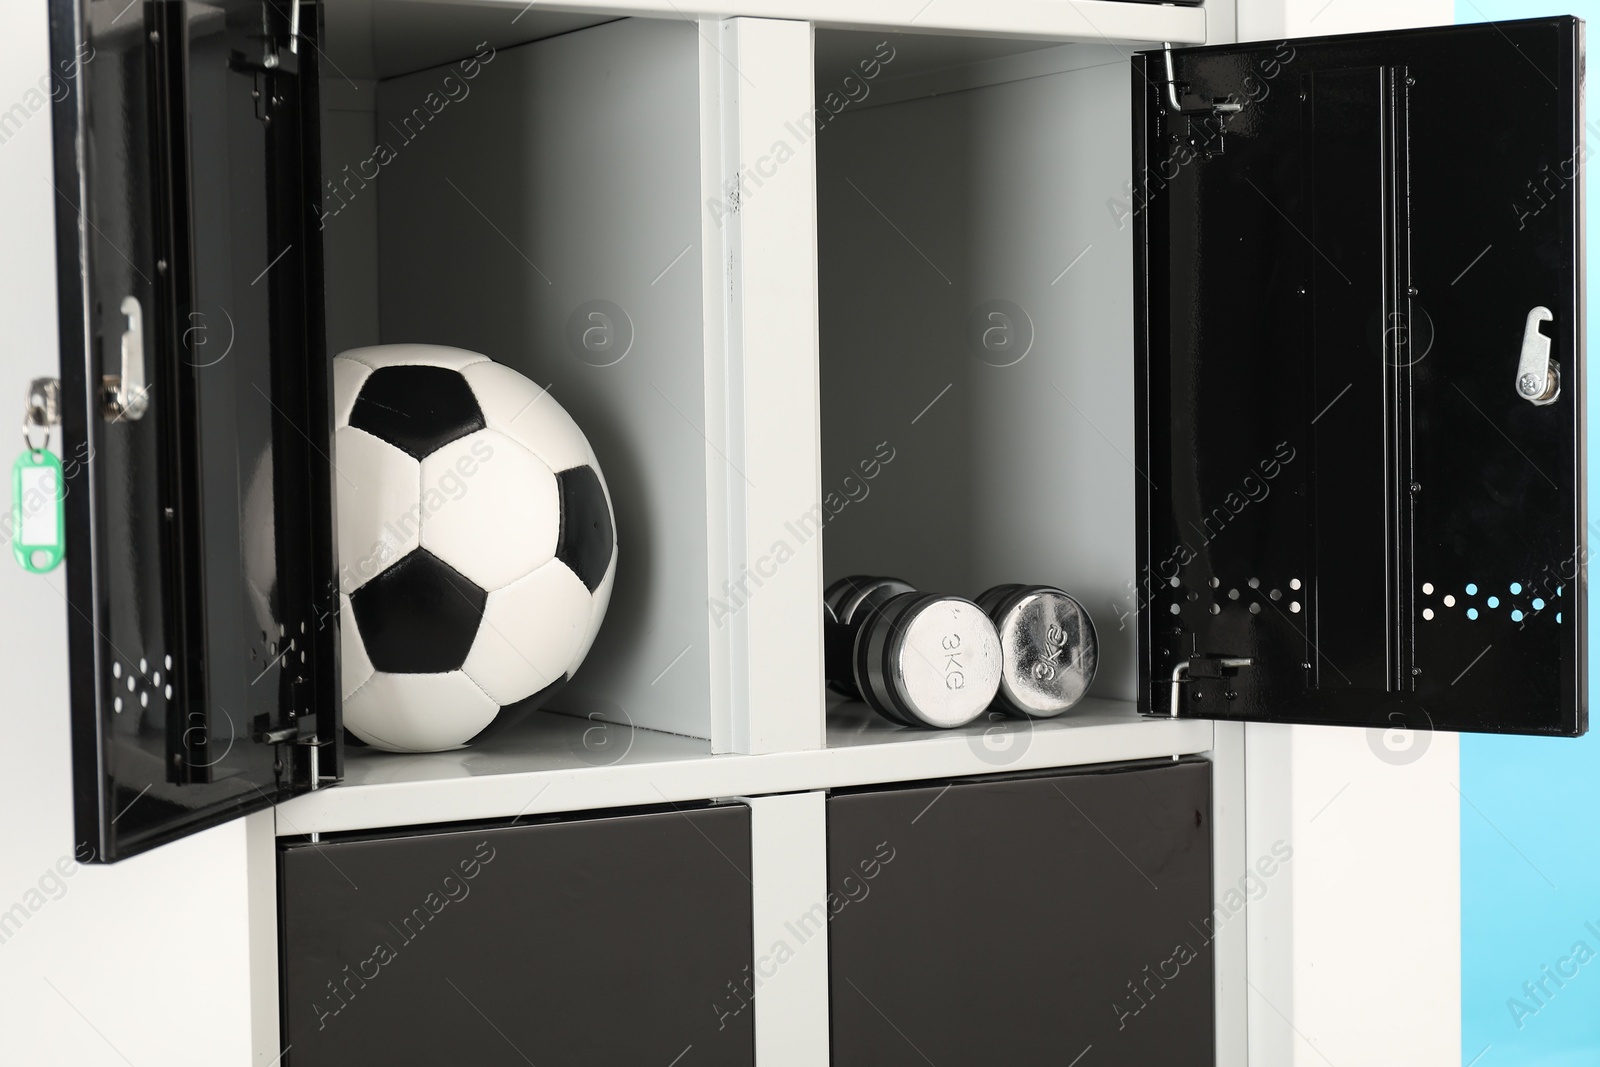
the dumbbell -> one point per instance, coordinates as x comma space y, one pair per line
918, 659
1047, 645
1049, 651
848, 602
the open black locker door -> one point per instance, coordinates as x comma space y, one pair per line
195, 414
1359, 331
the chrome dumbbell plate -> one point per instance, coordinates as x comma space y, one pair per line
928, 660
1048, 647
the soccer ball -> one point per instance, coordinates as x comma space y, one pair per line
477, 546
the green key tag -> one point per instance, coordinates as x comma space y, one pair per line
37, 528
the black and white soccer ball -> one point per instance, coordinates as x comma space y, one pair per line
477, 545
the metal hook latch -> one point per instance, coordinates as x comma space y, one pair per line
1538, 376
1226, 107
1204, 667
127, 395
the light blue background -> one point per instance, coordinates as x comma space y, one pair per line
1530, 814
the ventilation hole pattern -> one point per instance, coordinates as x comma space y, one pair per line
1519, 611
136, 681
1234, 595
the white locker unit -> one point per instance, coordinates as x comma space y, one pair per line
970, 294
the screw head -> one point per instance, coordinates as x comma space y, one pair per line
1528, 385
1415, 671
1416, 487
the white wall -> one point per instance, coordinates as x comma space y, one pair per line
1357, 939
144, 962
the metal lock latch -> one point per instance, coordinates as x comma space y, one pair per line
127, 395
1538, 376
1207, 123
1211, 667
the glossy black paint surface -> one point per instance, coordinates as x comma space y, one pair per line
199, 561
1026, 919
608, 939
1331, 287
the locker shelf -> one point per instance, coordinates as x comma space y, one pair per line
557, 763
418, 33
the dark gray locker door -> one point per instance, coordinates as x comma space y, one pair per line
596, 941
1025, 920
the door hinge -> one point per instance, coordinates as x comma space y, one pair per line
302, 732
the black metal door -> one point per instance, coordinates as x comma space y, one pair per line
1051, 918
195, 413
1361, 496
603, 940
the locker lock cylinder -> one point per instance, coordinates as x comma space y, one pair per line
1202, 667
42, 411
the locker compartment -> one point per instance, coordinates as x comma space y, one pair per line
976, 313
1255, 395
538, 201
